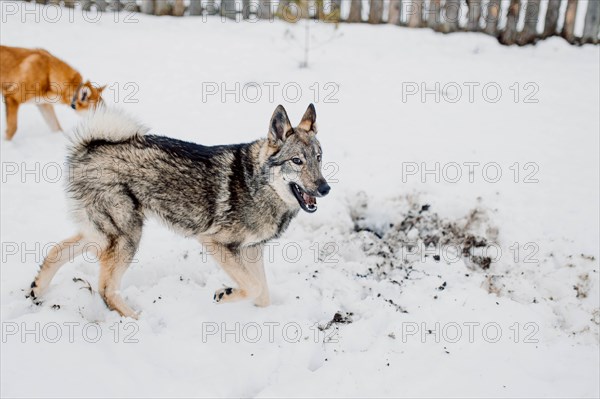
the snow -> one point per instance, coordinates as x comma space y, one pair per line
346, 258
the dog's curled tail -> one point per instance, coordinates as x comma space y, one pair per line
105, 124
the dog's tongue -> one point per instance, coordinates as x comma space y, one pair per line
308, 200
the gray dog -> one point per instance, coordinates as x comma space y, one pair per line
232, 198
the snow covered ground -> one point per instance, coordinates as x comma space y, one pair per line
361, 307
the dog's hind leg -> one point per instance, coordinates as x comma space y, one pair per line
12, 110
47, 111
117, 217
239, 265
114, 261
60, 254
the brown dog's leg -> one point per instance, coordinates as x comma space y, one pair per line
12, 108
47, 111
59, 255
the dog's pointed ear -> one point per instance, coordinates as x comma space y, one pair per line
101, 89
309, 119
280, 127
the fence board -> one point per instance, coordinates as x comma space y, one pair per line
509, 34
451, 16
492, 17
414, 11
568, 31
551, 22
355, 11
592, 22
532, 12
394, 12
434, 14
474, 15
375, 11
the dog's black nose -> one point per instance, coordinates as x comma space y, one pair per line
323, 189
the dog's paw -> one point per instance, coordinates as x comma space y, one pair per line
34, 294
222, 294
262, 301
135, 315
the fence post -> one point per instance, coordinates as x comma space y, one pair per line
569, 26
415, 16
304, 9
434, 14
116, 5
394, 12
178, 8
509, 34
264, 9
147, 7
355, 11
375, 11
228, 9
162, 7
330, 14
529, 33
246, 9
320, 9
211, 7
195, 7
492, 17
592, 23
474, 15
130, 5
284, 11
451, 16
101, 5
335, 12
551, 18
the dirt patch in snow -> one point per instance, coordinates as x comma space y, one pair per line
418, 232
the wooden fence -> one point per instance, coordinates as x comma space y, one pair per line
519, 22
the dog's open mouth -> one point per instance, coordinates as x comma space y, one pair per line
306, 201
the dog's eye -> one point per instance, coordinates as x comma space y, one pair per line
297, 161
318, 158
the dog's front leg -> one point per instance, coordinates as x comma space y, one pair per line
240, 266
47, 111
255, 263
